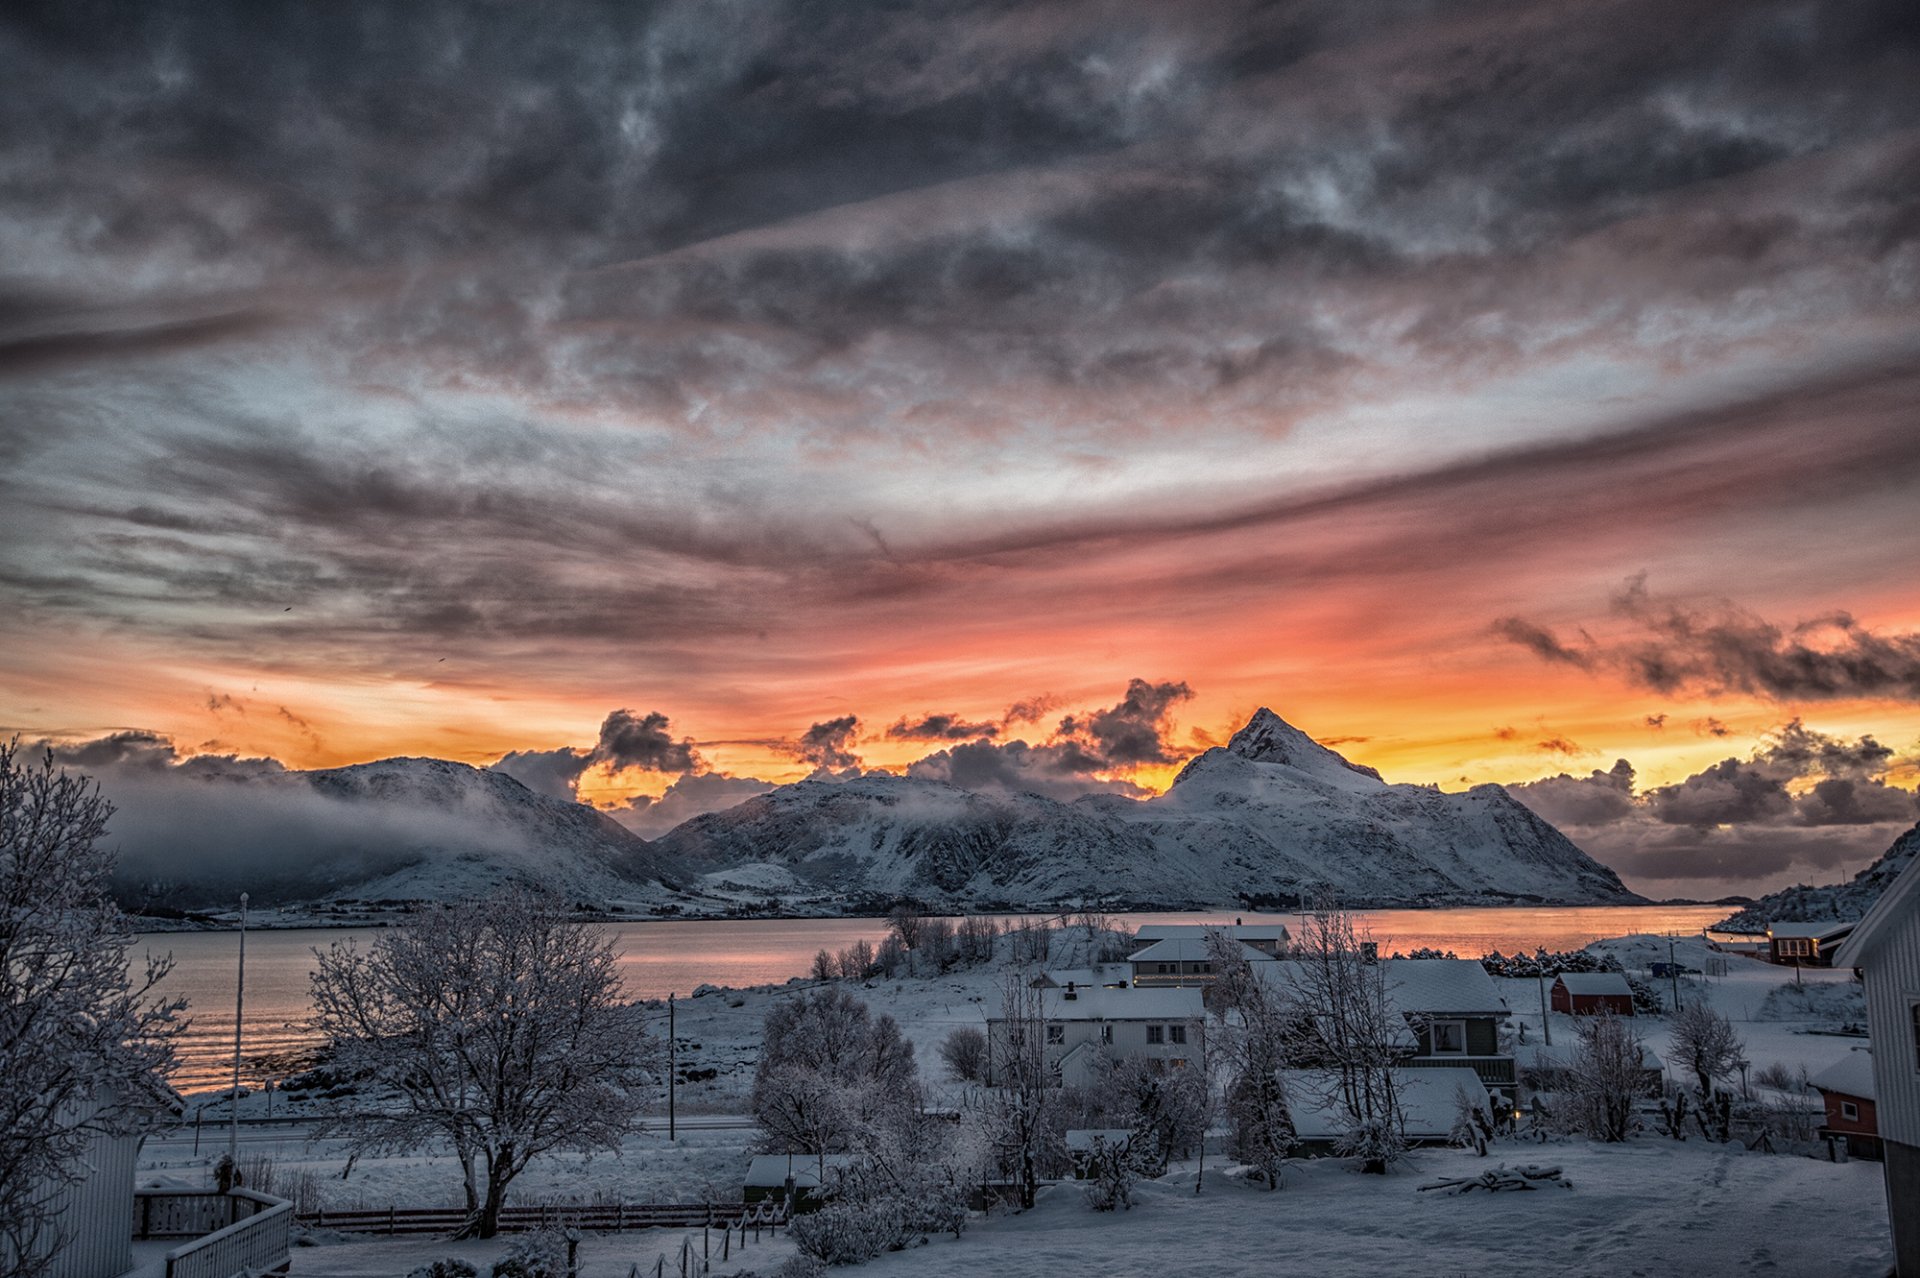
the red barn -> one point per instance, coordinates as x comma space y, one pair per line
1590, 993
1847, 1089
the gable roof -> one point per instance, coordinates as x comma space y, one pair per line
1590, 983
1434, 986
1851, 1075
1239, 931
1189, 949
1108, 1004
1821, 930
1900, 902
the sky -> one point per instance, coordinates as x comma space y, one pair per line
670, 400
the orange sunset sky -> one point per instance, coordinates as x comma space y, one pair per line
1496, 392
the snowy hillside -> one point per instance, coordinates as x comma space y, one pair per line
1271, 817
1835, 901
405, 829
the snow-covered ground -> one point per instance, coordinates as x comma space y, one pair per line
1651, 1206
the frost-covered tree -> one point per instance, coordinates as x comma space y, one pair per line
1025, 1107
500, 1029
84, 1046
1606, 1078
1703, 1043
1350, 1033
1255, 1022
832, 1077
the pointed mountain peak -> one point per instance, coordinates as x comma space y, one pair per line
1268, 738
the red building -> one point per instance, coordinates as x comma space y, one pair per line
1847, 1088
1591, 993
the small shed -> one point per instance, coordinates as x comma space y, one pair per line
1847, 1089
768, 1175
1592, 993
1806, 944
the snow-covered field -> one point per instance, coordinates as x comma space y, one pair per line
1651, 1206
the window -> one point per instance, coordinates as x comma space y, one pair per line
1056, 1035
1914, 1008
1165, 968
1178, 1062
1795, 947
1176, 1033
1154, 1035
1850, 1111
1106, 1035
1449, 1038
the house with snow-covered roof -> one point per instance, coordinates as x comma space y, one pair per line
1806, 944
1082, 1028
1449, 1013
1270, 939
1182, 960
1846, 1088
1885, 949
1429, 1102
1592, 994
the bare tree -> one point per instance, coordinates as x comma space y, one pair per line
1255, 1022
832, 1076
857, 961
500, 1028
1350, 1034
84, 1046
965, 1052
1606, 1078
825, 966
1024, 1108
904, 921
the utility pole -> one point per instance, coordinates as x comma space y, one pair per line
673, 1068
239, 1019
1673, 973
1546, 1019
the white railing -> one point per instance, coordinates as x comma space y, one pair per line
254, 1245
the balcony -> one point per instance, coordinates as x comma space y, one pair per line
221, 1235
1494, 1071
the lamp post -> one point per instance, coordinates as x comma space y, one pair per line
239, 1015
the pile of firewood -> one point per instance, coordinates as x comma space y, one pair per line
1500, 1178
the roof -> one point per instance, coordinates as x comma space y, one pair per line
1240, 931
1851, 1075
1190, 949
1590, 983
1421, 987
770, 1171
1427, 1102
1106, 1004
1822, 930
1899, 903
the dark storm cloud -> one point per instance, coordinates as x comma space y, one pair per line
1802, 798
940, 727
829, 744
1132, 732
1723, 649
627, 741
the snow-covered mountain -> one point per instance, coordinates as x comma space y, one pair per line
1850, 900
401, 829
1271, 818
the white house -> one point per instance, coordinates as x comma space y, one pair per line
1270, 938
1082, 1025
1182, 960
1885, 947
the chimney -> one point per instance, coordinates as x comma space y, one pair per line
1070, 991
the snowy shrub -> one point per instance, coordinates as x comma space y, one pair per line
1472, 1126
965, 1052
448, 1267
1646, 999
1376, 1142
1606, 1078
1840, 1004
540, 1254
1112, 1171
1783, 1077
846, 1233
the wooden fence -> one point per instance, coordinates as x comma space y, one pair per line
599, 1218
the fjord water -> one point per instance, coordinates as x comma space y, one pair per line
677, 956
